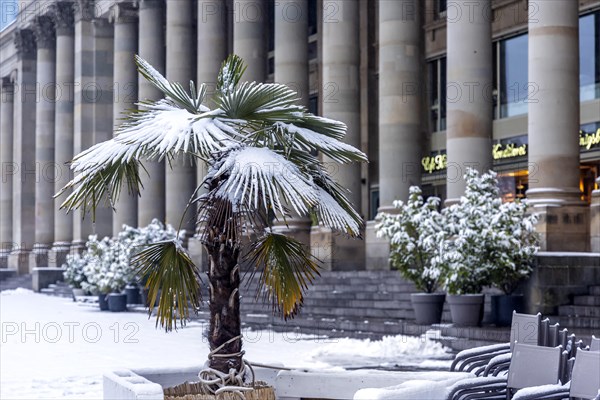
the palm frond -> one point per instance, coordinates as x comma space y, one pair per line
310, 140
172, 273
231, 72
286, 270
261, 103
99, 175
253, 177
163, 128
335, 211
190, 102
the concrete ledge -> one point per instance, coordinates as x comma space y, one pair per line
7, 273
43, 277
147, 384
344, 385
127, 385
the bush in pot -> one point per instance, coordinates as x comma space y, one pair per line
468, 256
74, 274
415, 232
515, 244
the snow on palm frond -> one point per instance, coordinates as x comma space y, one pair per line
309, 140
173, 90
262, 103
333, 214
257, 177
164, 128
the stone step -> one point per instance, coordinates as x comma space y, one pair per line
586, 300
23, 281
579, 311
595, 290
575, 324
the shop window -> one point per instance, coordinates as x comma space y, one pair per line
588, 173
437, 94
513, 185
510, 78
589, 56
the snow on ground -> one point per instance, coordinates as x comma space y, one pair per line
51, 347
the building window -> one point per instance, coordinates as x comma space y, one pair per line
511, 77
437, 94
313, 104
440, 8
312, 17
589, 56
373, 203
8, 12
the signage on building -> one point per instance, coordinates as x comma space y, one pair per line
587, 140
508, 150
435, 163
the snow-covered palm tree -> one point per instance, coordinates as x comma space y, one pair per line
260, 147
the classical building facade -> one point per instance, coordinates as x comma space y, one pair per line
426, 87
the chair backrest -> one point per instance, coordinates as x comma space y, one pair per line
585, 378
533, 365
525, 328
595, 344
553, 335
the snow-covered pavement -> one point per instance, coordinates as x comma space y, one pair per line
51, 347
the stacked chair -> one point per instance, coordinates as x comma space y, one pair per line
539, 362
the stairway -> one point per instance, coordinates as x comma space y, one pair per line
22, 281
60, 289
584, 313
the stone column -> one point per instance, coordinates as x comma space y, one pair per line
151, 46
469, 91
291, 46
249, 37
44, 141
84, 95
291, 69
400, 86
63, 128
400, 136
181, 176
341, 101
8, 168
212, 41
553, 126
125, 95
23, 225
105, 86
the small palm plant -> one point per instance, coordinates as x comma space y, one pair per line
260, 148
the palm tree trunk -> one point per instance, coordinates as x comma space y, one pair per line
224, 278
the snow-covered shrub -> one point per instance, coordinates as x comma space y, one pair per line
106, 263
73, 270
415, 233
515, 245
484, 245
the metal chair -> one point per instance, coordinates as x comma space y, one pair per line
525, 328
595, 344
585, 382
530, 365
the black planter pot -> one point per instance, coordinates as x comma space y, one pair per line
133, 294
117, 302
144, 296
503, 306
466, 309
103, 302
428, 307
